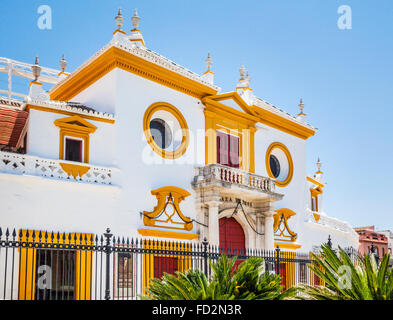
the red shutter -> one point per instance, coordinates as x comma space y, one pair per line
164, 264
222, 148
234, 159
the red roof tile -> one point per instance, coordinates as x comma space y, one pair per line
12, 124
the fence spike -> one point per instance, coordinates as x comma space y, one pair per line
14, 233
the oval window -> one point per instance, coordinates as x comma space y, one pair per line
166, 130
279, 164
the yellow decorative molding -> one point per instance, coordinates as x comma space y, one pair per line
277, 121
164, 106
117, 58
287, 245
77, 127
168, 234
74, 169
223, 118
68, 113
316, 216
168, 197
312, 180
235, 97
281, 225
290, 163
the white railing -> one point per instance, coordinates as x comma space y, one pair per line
332, 223
15, 163
217, 172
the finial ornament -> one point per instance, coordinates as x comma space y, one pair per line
209, 62
119, 19
301, 105
248, 79
242, 71
135, 19
319, 165
63, 63
36, 69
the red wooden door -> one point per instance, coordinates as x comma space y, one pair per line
164, 264
232, 239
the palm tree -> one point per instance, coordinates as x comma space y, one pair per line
248, 282
361, 279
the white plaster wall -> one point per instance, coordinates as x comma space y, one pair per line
43, 138
142, 169
50, 204
101, 95
294, 198
38, 202
296, 194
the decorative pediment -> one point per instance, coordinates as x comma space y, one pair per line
281, 228
232, 100
75, 123
167, 213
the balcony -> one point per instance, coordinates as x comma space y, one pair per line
22, 164
241, 182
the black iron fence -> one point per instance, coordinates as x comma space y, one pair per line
36, 265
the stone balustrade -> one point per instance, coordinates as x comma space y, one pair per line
23, 164
216, 173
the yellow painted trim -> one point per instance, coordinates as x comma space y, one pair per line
35, 82
83, 262
221, 117
118, 31
162, 194
74, 169
117, 58
68, 113
69, 128
316, 216
63, 73
138, 40
208, 71
164, 106
287, 245
168, 234
312, 180
269, 151
278, 122
284, 214
235, 97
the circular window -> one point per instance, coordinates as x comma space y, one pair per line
279, 164
166, 130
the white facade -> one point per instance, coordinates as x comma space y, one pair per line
118, 149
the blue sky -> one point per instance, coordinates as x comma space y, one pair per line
292, 49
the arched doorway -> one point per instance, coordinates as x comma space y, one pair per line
232, 238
